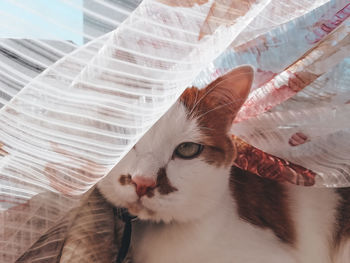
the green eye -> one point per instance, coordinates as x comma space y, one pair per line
188, 150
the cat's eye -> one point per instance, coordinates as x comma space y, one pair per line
188, 150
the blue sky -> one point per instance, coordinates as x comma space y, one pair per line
43, 19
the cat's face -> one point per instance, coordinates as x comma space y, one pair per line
180, 169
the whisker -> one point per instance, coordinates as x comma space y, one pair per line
216, 108
211, 89
205, 94
205, 128
195, 102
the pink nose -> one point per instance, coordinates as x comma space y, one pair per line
143, 184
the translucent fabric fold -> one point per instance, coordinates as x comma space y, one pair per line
74, 121
70, 113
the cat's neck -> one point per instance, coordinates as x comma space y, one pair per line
218, 233
183, 239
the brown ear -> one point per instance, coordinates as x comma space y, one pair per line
220, 101
231, 89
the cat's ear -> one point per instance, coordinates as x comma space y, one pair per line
216, 105
231, 90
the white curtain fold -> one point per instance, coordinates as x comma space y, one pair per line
74, 121
70, 112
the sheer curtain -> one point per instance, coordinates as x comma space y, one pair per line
70, 111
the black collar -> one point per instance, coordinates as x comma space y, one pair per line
123, 214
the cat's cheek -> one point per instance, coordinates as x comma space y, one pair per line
181, 205
117, 194
179, 173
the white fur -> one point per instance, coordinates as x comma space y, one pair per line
219, 236
199, 222
342, 254
314, 213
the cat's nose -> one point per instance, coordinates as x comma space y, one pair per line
143, 184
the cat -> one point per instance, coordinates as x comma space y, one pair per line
194, 207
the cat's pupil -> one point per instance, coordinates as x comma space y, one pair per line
188, 150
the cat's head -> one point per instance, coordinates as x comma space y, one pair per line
180, 169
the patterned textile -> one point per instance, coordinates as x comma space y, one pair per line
70, 113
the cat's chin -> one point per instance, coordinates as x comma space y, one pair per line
146, 214
137, 209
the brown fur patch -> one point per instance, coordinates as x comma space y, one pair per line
264, 203
343, 217
218, 148
214, 108
163, 184
150, 192
125, 179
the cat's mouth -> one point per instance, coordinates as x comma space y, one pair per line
139, 210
